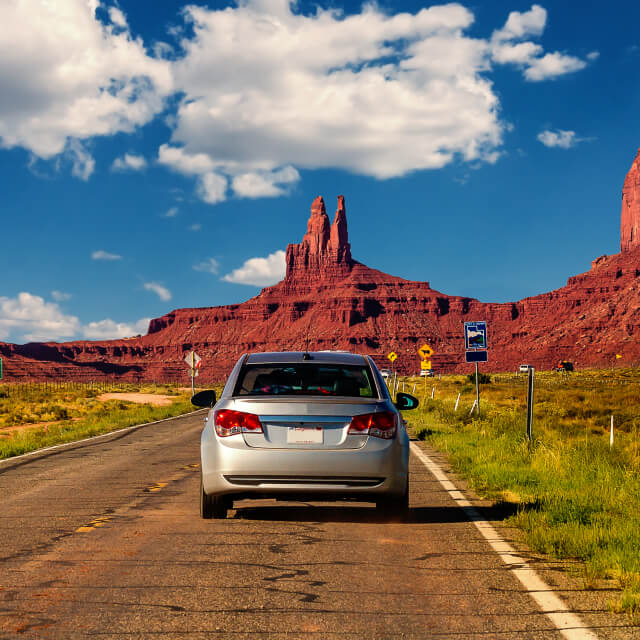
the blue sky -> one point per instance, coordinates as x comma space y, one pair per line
161, 155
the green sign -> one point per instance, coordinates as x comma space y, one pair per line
0, 368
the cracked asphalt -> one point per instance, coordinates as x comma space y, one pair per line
105, 540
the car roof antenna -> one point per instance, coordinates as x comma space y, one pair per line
306, 355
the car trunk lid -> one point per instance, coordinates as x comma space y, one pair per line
304, 424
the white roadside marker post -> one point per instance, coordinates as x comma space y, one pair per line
611, 434
455, 409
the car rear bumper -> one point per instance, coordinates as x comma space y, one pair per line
378, 469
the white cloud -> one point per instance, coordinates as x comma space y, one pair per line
211, 265
268, 92
35, 319
65, 75
559, 138
83, 163
260, 272
29, 318
523, 24
171, 213
107, 329
60, 296
162, 292
552, 65
105, 255
265, 91
117, 17
530, 57
593, 55
195, 227
163, 50
260, 184
212, 187
188, 164
521, 53
129, 162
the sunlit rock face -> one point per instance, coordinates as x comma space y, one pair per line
328, 300
630, 216
324, 253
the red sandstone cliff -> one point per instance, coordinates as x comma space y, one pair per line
327, 300
630, 217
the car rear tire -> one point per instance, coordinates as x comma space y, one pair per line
212, 506
394, 507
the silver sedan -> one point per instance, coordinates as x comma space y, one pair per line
293, 425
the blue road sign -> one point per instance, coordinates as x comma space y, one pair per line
475, 335
476, 356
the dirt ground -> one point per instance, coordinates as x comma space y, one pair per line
5, 432
141, 398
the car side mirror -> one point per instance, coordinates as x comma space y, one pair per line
205, 398
405, 401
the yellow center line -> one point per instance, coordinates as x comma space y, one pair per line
96, 522
154, 488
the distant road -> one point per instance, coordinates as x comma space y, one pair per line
105, 540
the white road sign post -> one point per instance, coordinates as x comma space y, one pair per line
194, 361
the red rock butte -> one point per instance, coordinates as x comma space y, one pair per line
328, 300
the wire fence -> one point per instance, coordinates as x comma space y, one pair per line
25, 389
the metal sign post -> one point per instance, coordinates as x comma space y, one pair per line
194, 361
393, 357
475, 343
530, 405
425, 386
425, 352
477, 390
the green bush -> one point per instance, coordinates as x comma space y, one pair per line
484, 378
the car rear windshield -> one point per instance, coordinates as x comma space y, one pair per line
306, 379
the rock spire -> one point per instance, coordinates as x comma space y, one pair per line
325, 249
630, 216
339, 238
318, 233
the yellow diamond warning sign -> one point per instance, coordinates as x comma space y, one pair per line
392, 356
425, 351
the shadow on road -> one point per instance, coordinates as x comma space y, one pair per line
308, 512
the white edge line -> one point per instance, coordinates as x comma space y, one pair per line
102, 435
569, 624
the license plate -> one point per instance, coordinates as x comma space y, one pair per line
304, 435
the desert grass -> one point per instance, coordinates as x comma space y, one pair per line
70, 412
576, 496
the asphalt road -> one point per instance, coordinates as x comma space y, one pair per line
105, 540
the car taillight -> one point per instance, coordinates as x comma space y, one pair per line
378, 425
228, 422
